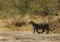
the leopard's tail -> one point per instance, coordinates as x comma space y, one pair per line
52, 29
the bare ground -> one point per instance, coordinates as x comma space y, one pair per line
17, 36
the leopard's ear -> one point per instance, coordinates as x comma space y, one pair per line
29, 21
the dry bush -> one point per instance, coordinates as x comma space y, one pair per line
18, 23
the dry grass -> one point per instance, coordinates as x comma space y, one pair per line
11, 23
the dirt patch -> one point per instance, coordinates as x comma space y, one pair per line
17, 36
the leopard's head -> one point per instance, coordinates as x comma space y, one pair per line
31, 22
